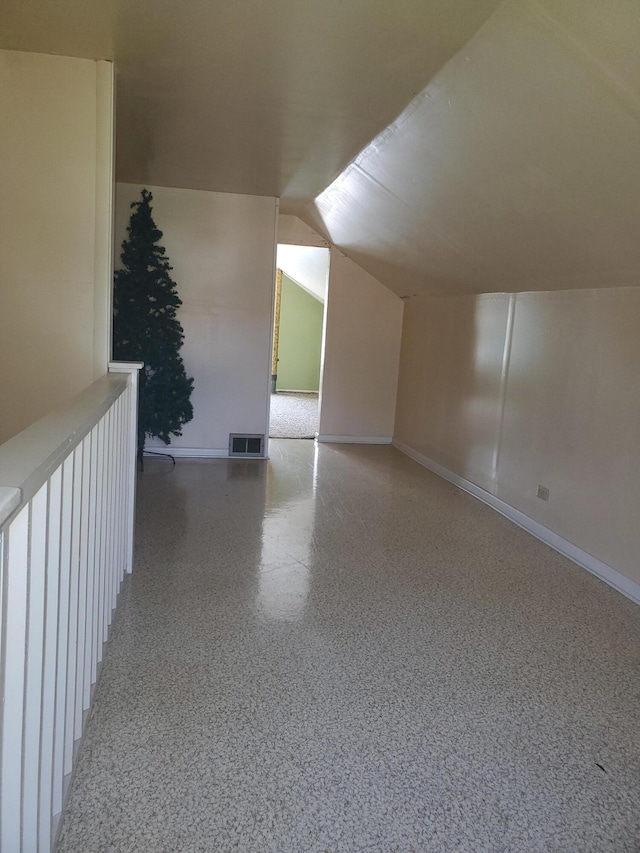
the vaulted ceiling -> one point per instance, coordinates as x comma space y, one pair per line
445, 145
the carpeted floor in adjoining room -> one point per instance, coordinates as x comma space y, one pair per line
337, 651
293, 415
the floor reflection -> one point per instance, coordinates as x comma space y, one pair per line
287, 533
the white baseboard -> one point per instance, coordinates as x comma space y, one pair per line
296, 391
587, 561
190, 452
354, 439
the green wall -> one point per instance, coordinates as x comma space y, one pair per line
300, 339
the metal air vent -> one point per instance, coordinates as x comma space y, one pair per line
246, 444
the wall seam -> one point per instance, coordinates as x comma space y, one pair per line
504, 379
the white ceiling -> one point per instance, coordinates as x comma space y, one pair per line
265, 97
517, 168
307, 266
506, 136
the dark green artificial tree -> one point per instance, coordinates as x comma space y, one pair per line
145, 328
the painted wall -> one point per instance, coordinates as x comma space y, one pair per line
222, 249
300, 339
449, 394
363, 329
512, 391
56, 131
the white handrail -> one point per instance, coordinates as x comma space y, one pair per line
67, 492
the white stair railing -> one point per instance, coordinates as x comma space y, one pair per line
67, 492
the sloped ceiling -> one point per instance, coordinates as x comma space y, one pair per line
307, 266
506, 136
265, 97
517, 168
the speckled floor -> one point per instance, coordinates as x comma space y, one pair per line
337, 651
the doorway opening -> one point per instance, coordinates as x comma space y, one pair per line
298, 341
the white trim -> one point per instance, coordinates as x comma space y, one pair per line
29, 458
272, 321
10, 500
606, 573
126, 367
104, 215
196, 452
190, 452
354, 439
133, 368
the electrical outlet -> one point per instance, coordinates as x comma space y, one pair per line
542, 493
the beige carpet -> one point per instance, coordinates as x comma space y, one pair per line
293, 415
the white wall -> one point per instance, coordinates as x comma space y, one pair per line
515, 390
56, 127
222, 249
363, 328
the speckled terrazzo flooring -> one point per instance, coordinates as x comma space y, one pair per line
338, 651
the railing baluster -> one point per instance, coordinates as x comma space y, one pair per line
100, 538
33, 675
129, 462
66, 531
114, 510
122, 519
74, 584
120, 527
82, 587
90, 660
50, 660
109, 527
116, 502
13, 676
115, 587
63, 632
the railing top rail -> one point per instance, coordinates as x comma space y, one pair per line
10, 500
28, 459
